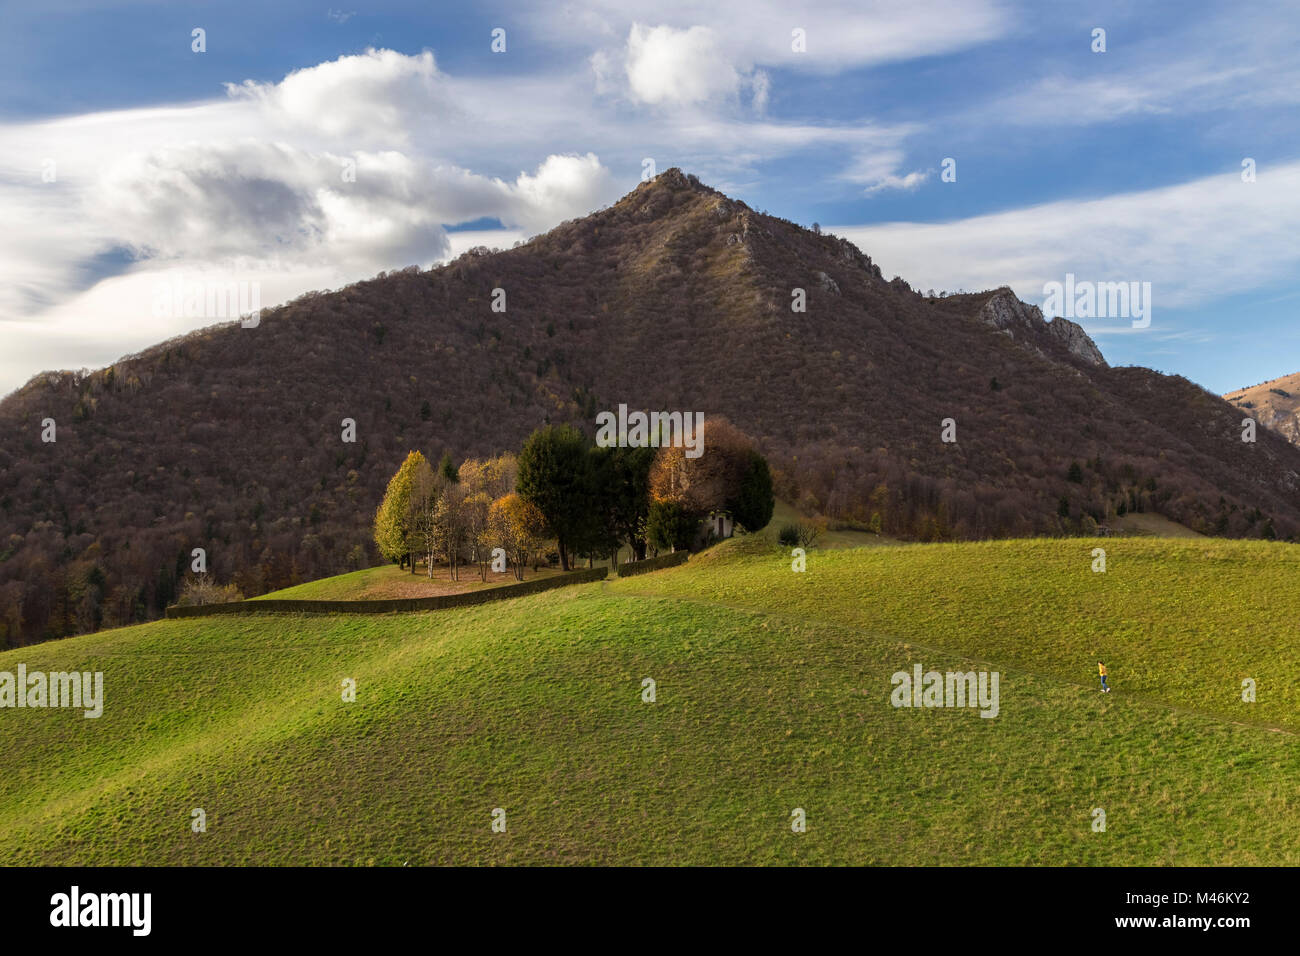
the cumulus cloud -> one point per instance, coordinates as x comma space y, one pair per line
678, 67
371, 210
208, 198
357, 214
563, 187
379, 94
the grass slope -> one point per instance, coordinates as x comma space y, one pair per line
1179, 621
784, 513
390, 581
1150, 524
772, 693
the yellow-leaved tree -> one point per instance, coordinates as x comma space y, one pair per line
520, 528
484, 481
392, 519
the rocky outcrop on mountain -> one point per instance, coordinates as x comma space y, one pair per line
1024, 324
1076, 340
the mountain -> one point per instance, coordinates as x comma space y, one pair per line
674, 298
1274, 404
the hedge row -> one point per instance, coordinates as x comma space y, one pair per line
441, 602
670, 560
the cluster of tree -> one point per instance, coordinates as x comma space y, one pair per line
731, 477
598, 499
590, 501
454, 515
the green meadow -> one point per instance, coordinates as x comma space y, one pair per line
772, 693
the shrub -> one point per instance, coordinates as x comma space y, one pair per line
204, 590
808, 534
630, 568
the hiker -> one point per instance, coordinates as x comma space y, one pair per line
1101, 669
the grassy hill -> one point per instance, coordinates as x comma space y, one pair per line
772, 693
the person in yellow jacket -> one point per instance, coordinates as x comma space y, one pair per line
1101, 669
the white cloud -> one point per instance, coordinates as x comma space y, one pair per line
877, 170
374, 96
44, 247
761, 85
678, 67
563, 187
1195, 242
1228, 59
1059, 100
115, 316
706, 54
841, 34
891, 181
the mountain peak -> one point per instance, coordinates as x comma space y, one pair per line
673, 178
671, 191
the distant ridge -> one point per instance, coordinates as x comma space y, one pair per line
1274, 404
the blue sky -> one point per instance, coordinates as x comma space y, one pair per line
127, 158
